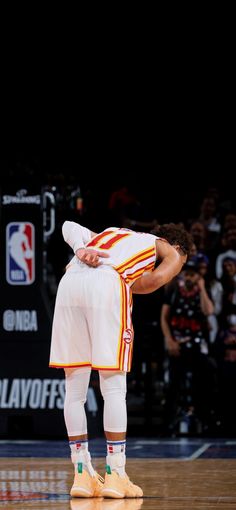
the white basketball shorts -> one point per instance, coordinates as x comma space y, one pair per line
92, 324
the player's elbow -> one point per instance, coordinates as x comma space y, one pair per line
147, 284
65, 230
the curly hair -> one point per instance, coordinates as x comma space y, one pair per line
175, 234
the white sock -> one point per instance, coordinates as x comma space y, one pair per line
116, 458
81, 455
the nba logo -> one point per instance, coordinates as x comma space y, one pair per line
20, 253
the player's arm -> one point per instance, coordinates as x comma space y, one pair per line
171, 263
77, 237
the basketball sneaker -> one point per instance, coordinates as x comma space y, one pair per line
85, 485
116, 486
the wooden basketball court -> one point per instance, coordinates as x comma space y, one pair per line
173, 483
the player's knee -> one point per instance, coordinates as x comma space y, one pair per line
76, 386
113, 385
74, 397
114, 395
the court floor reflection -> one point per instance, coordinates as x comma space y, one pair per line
106, 504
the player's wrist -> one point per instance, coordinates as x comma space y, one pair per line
79, 251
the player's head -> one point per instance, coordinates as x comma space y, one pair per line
176, 235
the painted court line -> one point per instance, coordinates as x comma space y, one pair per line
199, 451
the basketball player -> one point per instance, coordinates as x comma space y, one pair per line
92, 329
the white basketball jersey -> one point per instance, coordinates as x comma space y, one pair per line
130, 253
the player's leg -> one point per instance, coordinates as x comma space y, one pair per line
87, 482
113, 389
110, 326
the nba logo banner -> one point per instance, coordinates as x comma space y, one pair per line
20, 253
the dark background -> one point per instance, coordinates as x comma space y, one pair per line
170, 156
172, 180
152, 107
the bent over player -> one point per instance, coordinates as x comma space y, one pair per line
92, 329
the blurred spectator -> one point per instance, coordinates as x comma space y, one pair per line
121, 201
228, 281
132, 208
208, 215
198, 233
193, 251
226, 355
229, 244
209, 218
184, 325
229, 221
146, 348
215, 291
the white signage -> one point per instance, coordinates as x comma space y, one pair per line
32, 393
21, 198
20, 320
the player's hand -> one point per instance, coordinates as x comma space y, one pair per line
91, 257
201, 283
173, 347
